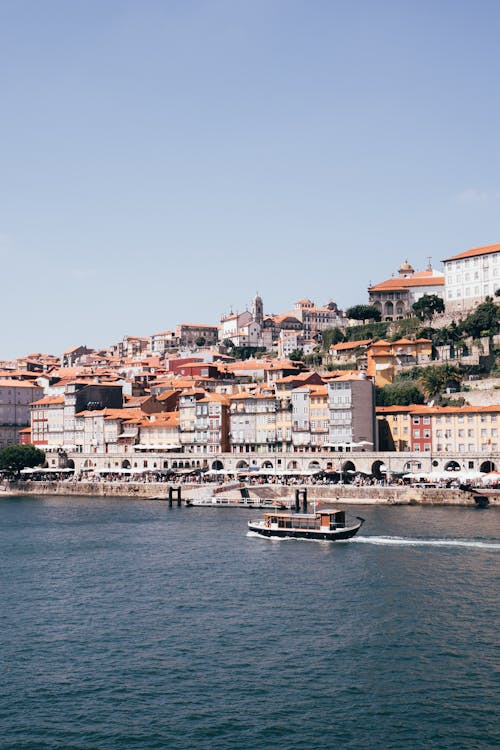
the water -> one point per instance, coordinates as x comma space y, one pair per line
126, 625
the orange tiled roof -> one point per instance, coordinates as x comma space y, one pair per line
17, 384
475, 252
48, 400
399, 283
346, 345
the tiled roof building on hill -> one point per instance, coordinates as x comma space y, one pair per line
395, 296
471, 276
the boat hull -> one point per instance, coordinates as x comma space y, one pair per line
319, 535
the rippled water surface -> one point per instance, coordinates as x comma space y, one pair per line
128, 625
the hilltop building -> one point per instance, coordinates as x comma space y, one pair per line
470, 277
395, 297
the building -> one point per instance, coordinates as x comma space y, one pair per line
211, 425
253, 422
395, 297
53, 418
470, 277
317, 319
244, 328
458, 430
352, 413
16, 397
394, 427
188, 334
310, 417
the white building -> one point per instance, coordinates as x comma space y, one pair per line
470, 277
244, 328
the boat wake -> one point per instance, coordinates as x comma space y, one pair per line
403, 541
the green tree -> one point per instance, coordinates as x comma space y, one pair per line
200, 341
228, 344
363, 312
434, 380
398, 394
17, 457
483, 321
330, 337
296, 355
427, 306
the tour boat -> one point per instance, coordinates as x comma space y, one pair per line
324, 525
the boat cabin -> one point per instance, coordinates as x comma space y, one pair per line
323, 520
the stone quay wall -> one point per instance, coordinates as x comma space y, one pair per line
349, 494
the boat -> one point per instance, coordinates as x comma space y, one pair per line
323, 525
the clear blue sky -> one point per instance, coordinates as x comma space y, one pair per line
161, 161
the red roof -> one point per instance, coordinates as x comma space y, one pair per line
475, 252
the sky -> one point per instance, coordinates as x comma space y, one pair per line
161, 161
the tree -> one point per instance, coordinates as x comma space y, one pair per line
228, 344
427, 306
296, 355
331, 336
17, 457
200, 341
483, 321
363, 312
434, 380
398, 394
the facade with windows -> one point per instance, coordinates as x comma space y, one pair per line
470, 277
395, 297
351, 403
440, 429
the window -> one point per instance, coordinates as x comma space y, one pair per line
416, 433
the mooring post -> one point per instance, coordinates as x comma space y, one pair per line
170, 496
304, 500
179, 499
297, 500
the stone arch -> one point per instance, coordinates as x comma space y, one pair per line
70, 464
378, 306
314, 465
125, 463
348, 466
487, 466
389, 309
377, 467
88, 464
452, 466
217, 466
267, 465
165, 464
242, 465
292, 465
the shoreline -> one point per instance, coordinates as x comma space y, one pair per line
346, 494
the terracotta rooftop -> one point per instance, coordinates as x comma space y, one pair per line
400, 283
486, 250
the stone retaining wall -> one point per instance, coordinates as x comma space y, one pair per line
325, 493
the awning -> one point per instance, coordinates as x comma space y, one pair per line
158, 446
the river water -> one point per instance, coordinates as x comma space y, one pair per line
128, 625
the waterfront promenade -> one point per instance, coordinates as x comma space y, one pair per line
331, 493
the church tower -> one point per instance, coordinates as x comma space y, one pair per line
258, 309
